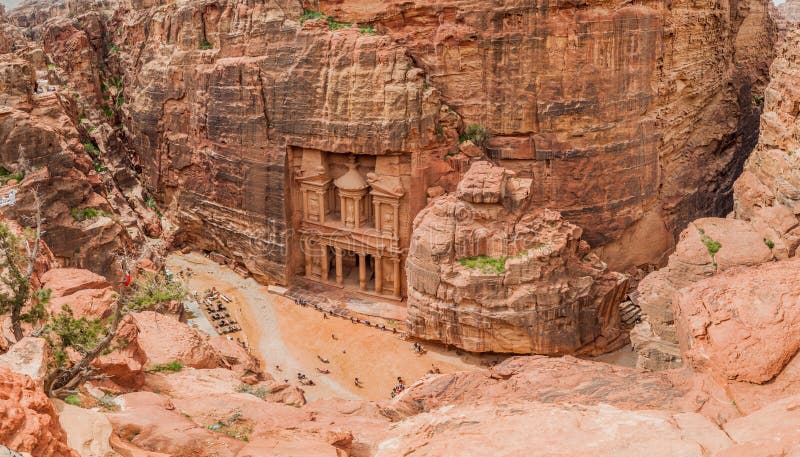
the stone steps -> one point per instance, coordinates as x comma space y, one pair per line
629, 312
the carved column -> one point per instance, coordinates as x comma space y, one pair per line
325, 263
362, 271
321, 197
339, 278
307, 244
378, 274
357, 212
396, 220
397, 278
377, 216
342, 209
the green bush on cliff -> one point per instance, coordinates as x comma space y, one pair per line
82, 214
152, 289
205, 45
475, 133
308, 15
6, 176
172, 367
485, 263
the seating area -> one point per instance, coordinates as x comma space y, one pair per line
214, 304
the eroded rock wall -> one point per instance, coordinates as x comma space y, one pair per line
631, 120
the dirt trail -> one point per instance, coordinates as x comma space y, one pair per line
287, 335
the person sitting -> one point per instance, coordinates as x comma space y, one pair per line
357, 382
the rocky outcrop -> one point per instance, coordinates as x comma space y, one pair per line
165, 339
763, 226
790, 11
486, 274
87, 294
38, 137
588, 413
28, 422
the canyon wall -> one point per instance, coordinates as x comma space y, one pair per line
762, 228
630, 120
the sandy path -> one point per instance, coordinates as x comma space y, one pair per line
285, 334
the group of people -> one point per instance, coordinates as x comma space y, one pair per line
401, 386
354, 320
304, 380
418, 348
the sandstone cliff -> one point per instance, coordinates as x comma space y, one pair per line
598, 105
631, 120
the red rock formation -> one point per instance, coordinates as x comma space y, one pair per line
764, 225
790, 11
86, 293
487, 274
28, 422
38, 132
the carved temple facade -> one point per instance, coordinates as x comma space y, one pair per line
351, 219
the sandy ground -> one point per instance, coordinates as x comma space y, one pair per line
289, 338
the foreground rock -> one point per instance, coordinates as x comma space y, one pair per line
87, 294
486, 274
28, 422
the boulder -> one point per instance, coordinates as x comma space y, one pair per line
29, 356
28, 422
165, 339
743, 324
88, 431
87, 294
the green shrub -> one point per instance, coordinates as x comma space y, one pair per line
259, 392
485, 263
152, 289
107, 111
308, 15
205, 45
172, 367
150, 202
770, 244
82, 214
367, 30
335, 25
100, 168
73, 400
475, 133
6, 176
91, 149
